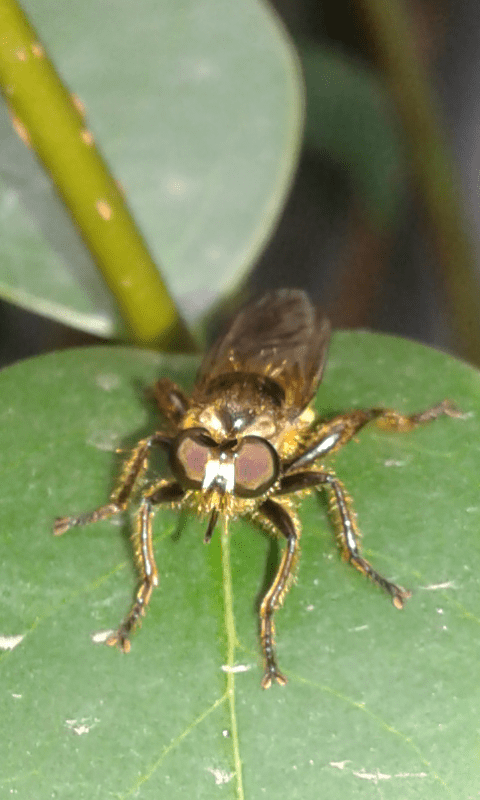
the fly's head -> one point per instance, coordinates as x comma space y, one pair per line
225, 454
238, 466
231, 443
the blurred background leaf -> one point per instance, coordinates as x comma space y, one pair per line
204, 135
347, 96
378, 701
197, 107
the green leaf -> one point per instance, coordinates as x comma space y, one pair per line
197, 107
379, 702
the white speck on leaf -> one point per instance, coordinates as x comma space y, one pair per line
375, 777
432, 587
81, 726
410, 775
100, 637
177, 186
10, 642
106, 441
236, 668
108, 381
221, 776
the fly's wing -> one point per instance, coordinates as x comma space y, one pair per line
281, 336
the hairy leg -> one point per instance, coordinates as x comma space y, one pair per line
277, 515
133, 468
327, 437
143, 545
346, 529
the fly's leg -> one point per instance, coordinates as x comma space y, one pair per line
149, 574
277, 515
391, 420
142, 538
327, 437
348, 535
132, 470
63, 524
348, 539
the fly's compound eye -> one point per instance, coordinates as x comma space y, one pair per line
256, 467
190, 454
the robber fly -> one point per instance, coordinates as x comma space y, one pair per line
244, 443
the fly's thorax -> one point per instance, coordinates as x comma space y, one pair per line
239, 409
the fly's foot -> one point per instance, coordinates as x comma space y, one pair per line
120, 639
273, 674
399, 595
61, 525
449, 409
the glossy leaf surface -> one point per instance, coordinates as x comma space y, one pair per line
379, 702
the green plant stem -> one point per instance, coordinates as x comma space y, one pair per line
51, 122
394, 41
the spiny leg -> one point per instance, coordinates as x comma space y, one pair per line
389, 419
132, 471
348, 539
165, 493
149, 575
346, 528
281, 519
329, 436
